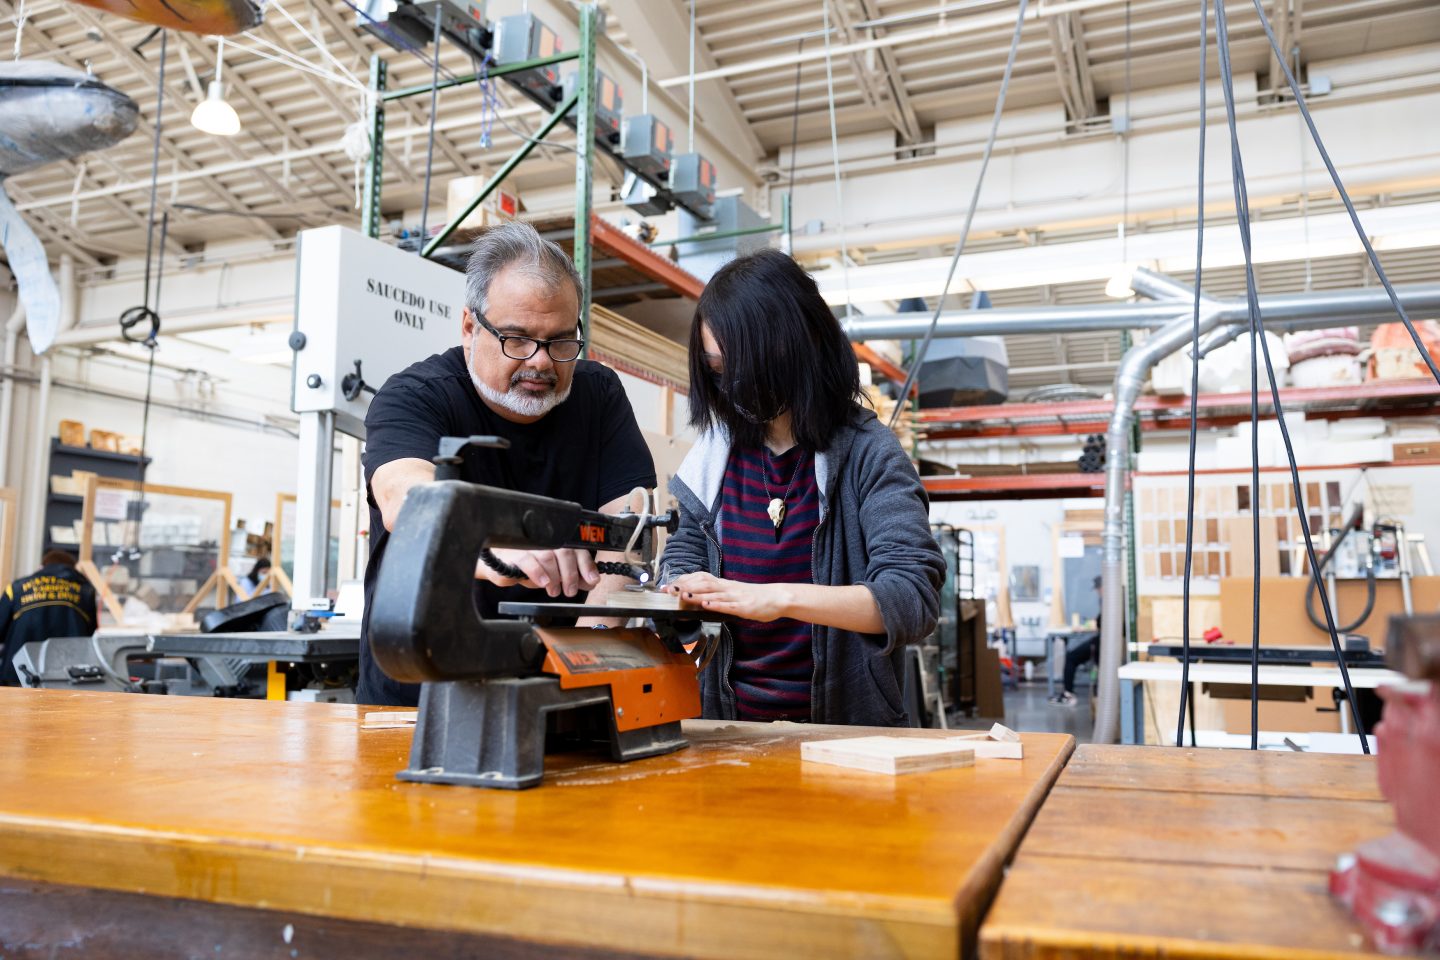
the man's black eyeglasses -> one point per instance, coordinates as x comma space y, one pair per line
561, 350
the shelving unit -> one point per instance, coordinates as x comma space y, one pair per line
1391, 398
63, 509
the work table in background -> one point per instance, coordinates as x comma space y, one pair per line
291, 813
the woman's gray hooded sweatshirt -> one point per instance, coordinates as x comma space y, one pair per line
874, 530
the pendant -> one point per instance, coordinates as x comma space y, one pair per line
777, 514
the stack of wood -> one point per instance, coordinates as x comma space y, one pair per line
885, 408
623, 343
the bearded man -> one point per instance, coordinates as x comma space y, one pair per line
517, 374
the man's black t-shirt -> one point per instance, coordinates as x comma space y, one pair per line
588, 450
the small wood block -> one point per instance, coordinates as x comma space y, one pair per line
389, 719
892, 755
1004, 734
987, 749
647, 600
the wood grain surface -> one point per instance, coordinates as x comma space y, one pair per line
1158, 852
730, 847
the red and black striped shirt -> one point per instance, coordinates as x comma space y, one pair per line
774, 663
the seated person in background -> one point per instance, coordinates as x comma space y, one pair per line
516, 374
252, 580
54, 601
1076, 657
805, 503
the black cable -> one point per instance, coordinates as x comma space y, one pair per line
155, 170
1310, 590
1355, 522
1242, 214
1242, 211
1345, 195
430, 145
914, 373
1194, 389
795, 120
512, 572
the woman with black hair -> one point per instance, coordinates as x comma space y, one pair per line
800, 514
252, 580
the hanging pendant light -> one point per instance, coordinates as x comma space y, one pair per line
213, 115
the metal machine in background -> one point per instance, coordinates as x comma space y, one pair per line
497, 693
1382, 551
125, 664
1393, 884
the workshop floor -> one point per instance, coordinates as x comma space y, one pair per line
1027, 710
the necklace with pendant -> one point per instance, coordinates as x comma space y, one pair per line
776, 507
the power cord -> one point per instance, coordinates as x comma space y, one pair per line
1242, 213
1194, 388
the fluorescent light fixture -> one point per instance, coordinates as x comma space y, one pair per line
213, 115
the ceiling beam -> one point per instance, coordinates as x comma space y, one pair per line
1072, 66
141, 67
116, 204
54, 227
351, 39
659, 30
888, 88
248, 94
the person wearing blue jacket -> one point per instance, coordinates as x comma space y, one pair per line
800, 513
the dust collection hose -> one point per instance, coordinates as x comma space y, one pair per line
1351, 525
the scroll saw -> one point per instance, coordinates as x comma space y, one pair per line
495, 693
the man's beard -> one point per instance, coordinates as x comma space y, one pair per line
518, 400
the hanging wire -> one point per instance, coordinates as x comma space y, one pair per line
1242, 213
324, 50
1345, 196
835, 166
692, 77
148, 313
1125, 153
795, 119
278, 54
919, 358
430, 142
1194, 388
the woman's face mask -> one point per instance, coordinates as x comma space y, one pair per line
726, 389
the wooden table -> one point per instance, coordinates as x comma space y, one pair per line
235, 816
1154, 851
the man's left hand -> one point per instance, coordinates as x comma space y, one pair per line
762, 602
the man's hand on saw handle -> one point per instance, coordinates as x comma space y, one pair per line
569, 572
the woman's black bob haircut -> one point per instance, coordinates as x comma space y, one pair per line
782, 350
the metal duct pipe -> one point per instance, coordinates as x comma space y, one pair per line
1017, 321
1292, 311
1297, 311
1129, 381
1157, 286
13, 326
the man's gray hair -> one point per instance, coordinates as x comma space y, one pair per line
515, 244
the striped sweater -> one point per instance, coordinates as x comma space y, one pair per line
774, 663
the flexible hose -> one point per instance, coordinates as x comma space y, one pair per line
1350, 527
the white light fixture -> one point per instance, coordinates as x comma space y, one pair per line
1119, 283
213, 115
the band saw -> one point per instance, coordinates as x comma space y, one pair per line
496, 693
